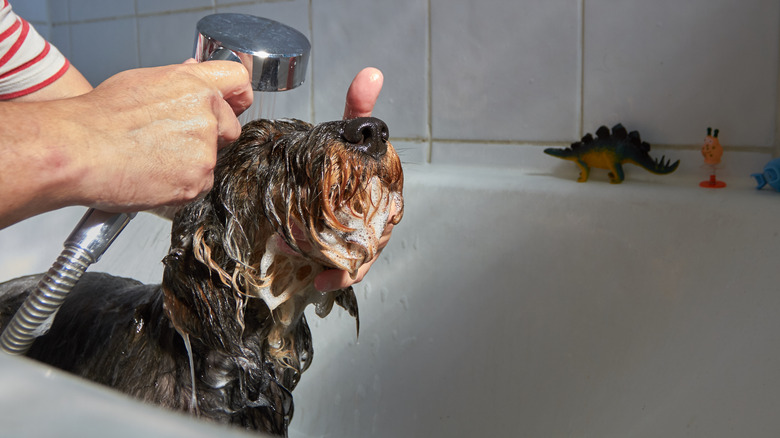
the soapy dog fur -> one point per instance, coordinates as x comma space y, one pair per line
224, 336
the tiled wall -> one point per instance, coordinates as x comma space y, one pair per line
485, 81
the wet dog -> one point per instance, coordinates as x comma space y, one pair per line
224, 336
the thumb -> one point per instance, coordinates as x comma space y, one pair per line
363, 93
230, 78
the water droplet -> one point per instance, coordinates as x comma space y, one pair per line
377, 385
408, 342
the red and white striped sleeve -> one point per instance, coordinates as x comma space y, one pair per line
27, 61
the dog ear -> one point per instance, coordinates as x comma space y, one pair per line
199, 296
348, 301
210, 266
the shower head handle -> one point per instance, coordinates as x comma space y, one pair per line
274, 54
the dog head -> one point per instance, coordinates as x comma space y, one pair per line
289, 199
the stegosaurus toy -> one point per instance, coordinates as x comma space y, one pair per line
611, 151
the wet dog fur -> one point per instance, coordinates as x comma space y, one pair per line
289, 200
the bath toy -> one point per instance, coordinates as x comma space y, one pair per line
224, 336
610, 151
712, 152
770, 176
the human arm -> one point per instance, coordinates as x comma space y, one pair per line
141, 139
70, 84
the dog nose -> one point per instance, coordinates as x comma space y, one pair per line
367, 134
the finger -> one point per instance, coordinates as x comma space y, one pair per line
334, 279
329, 280
229, 128
300, 237
363, 93
386, 235
230, 78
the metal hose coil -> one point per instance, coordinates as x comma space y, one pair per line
45, 300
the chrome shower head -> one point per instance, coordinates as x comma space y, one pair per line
275, 54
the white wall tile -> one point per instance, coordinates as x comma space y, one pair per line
97, 9
103, 48
499, 69
670, 68
36, 11
294, 103
43, 29
59, 11
60, 37
411, 153
505, 70
392, 36
156, 6
167, 39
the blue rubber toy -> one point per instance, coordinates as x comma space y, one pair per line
770, 176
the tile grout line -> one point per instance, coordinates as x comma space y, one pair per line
429, 84
311, 62
137, 34
581, 65
70, 30
776, 151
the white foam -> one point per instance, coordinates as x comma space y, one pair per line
287, 296
351, 249
272, 250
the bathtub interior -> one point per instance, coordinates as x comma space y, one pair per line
39, 401
521, 303
531, 305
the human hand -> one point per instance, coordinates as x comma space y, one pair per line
150, 136
361, 97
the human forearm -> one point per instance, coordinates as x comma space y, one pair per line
142, 139
32, 178
37, 164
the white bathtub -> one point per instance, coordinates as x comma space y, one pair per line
525, 304
521, 303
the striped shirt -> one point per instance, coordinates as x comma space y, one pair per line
27, 61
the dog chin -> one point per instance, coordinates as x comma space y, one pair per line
358, 243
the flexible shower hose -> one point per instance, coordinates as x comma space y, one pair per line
88, 241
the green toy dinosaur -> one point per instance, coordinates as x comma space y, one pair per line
611, 151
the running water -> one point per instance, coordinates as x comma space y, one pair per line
262, 107
193, 395
262, 100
